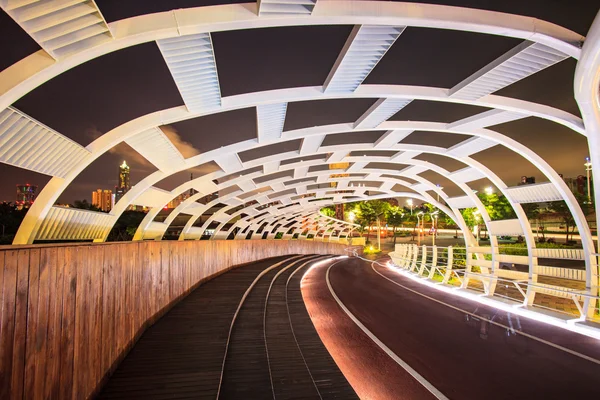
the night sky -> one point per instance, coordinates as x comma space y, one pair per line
97, 96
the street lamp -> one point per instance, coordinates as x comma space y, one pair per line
351, 216
410, 204
588, 169
489, 190
438, 193
476, 216
419, 218
434, 216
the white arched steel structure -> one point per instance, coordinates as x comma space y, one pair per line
184, 39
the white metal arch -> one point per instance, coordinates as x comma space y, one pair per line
56, 185
38, 68
550, 42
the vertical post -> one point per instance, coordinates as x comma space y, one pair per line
423, 259
468, 265
586, 83
434, 255
415, 257
449, 264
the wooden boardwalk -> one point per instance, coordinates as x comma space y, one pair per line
181, 356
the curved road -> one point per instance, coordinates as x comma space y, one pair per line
443, 340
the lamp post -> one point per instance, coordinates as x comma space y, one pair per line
438, 193
476, 218
419, 222
410, 204
489, 190
434, 216
588, 169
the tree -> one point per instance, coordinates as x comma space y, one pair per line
84, 205
10, 219
533, 213
328, 211
126, 225
367, 215
561, 209
380, 209
497, 206
395, 218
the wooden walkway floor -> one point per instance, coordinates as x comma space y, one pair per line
181, 355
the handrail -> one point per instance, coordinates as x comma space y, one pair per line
460, 271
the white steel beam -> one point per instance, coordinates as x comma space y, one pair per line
191, 60
27, 143
60, 27
156, 147
536, 193
285, 7
381, 111
391, 138
486, 119
522, 61
471, 146
311, 144
365, 46
270, 119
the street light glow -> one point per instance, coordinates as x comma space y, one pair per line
489, 190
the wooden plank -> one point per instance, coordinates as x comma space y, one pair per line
32, 327
52, 384
55, 294
108, 307
18, 362
67, 334
40, 346
7, 325
94, 361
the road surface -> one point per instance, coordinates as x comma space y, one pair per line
444, 342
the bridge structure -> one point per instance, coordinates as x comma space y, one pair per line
281, 193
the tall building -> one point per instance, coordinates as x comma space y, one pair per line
25, 195
123, 185
579, 185
527, 180
103, 199
177, 200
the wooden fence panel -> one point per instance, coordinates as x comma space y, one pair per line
69, 313
7, 326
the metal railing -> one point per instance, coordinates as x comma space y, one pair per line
423, 261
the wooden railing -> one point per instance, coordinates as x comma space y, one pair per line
69, 313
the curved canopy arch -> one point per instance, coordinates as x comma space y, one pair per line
545, 44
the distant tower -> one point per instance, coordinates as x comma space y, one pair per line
25, 195
124, 185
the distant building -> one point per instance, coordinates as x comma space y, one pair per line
208, 198
579, 185
527, 180
103, 199
177, 200
25, 195
124, 184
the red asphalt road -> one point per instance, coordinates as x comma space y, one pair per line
437, 342
370, 371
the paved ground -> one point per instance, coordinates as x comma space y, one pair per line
462, 359
273, 350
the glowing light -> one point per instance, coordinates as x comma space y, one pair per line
489, 190
514, 309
